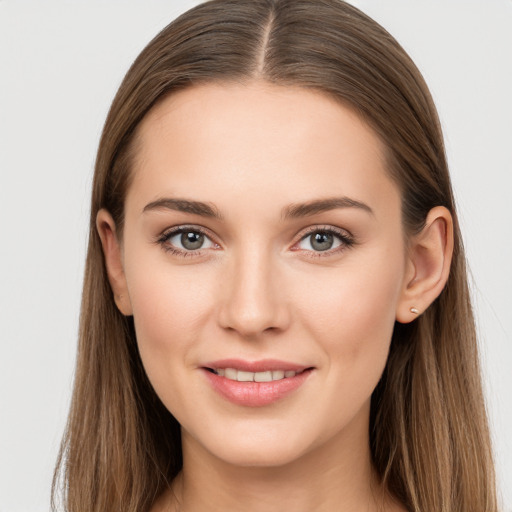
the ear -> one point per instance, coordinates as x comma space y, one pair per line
113, 261
428, 265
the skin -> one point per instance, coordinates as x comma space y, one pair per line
257, 289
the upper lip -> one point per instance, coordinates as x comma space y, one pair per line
256, 366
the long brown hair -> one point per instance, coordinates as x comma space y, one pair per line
429, 434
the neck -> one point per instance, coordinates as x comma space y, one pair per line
337, 475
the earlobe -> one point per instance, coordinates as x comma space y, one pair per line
113, 261
428, 265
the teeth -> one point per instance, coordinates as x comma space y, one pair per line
230, 373
244, 376
263, 376
241, 376
278, 375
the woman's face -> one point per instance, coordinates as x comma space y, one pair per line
263, 235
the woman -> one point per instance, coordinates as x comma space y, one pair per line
275, 309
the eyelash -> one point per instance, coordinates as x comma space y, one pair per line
346, 239
163, 240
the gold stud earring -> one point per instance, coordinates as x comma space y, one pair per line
414, 311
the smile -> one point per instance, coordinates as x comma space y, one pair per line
255, 384
244, 376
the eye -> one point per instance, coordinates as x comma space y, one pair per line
185, 239
189, 240
324, 240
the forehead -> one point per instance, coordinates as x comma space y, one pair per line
285, 143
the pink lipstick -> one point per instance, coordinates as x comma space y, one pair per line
255, 383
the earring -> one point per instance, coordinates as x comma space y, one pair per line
414, 311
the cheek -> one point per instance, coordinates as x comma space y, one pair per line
168, 308
353, 319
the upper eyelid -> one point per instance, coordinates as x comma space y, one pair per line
325, 228
184, 227
302, 232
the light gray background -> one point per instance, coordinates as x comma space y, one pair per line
60, 65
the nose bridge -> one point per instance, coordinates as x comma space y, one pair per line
252, 303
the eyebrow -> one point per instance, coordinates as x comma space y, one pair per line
293, 211
298, 210
184, 205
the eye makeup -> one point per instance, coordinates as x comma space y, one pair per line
325, 241
192, 239
316, 241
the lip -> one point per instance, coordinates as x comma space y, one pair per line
255, 394
256, 366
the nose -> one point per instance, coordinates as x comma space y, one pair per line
253, 296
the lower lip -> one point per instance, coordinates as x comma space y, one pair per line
256, 394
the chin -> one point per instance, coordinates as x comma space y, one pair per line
250, 449
259, 457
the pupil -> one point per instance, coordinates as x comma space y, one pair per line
192, 240
321, 241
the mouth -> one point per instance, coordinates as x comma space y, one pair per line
256, 384
262, 376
